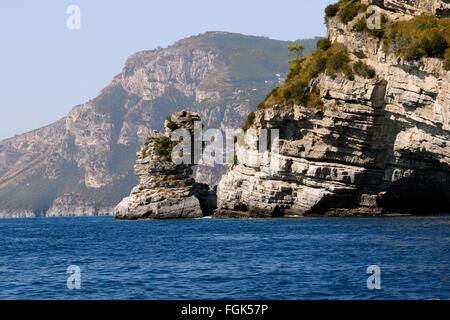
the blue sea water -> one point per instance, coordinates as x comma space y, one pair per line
304, 258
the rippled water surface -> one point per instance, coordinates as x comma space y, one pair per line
305, 258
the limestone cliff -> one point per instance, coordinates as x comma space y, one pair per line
166, 190
82, 164
440, 8
370, 145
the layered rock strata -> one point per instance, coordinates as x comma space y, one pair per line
440, 8
378, 145
166, 190
83, 163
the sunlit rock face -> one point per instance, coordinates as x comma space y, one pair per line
440, 8
378, 146
166, 190
83, 163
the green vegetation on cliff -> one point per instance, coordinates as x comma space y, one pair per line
170, 124
347, 10
361, 26
447, 60
330, 58
363, 70
163, 147
249, 121
421, 36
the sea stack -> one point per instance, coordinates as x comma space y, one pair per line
166, 190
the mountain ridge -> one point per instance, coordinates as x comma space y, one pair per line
82, 164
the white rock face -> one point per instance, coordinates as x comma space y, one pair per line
380, 145
440, 8
166, 190
67, 206
84, 162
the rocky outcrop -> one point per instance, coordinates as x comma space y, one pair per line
440, 8
66, 206
83, 163
377, 146
8, 214
166, 190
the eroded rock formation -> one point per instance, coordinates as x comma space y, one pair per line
166, 190
377, 146
83, 163
440, 8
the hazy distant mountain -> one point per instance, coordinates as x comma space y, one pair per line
83, 164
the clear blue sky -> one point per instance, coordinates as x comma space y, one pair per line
47, 69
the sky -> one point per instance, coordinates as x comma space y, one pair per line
46, 69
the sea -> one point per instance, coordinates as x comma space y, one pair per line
405, 257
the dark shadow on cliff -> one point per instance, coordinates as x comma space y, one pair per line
421, 190
423, 186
